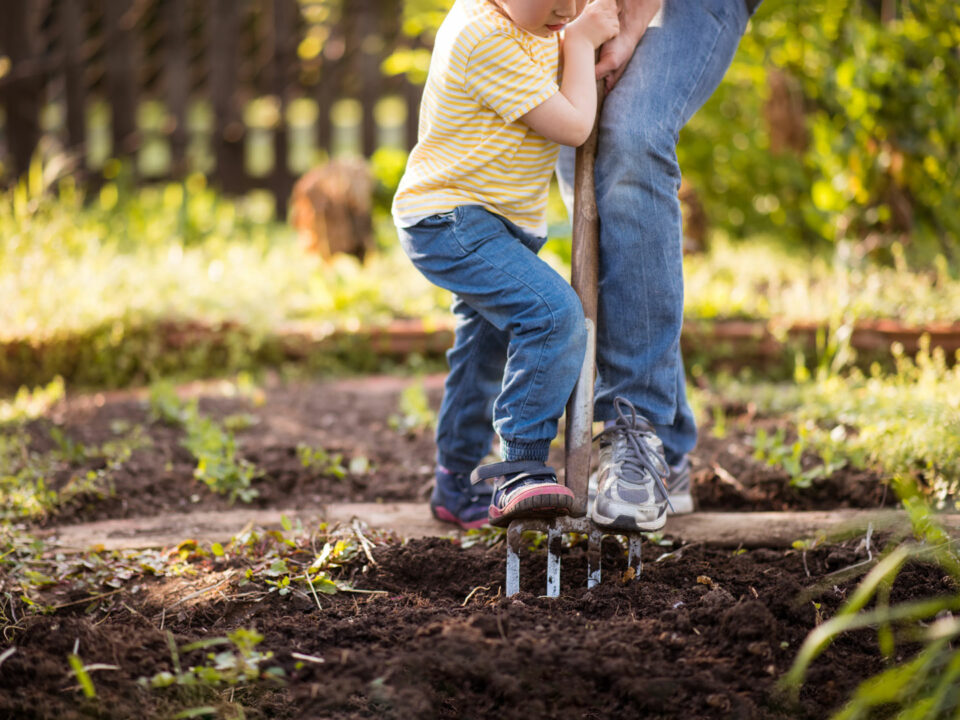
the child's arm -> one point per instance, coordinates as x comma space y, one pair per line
567, 117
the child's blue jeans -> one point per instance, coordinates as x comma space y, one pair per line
520, 336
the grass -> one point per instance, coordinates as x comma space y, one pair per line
180, 251
905, 422
71, 263
759, 278
916, 684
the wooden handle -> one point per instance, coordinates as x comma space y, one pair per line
584, 276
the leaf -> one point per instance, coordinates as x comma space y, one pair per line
86, 684
196, 712
209, 642
285, 521
323, 584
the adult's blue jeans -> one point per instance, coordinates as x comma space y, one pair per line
676, 67
520, 336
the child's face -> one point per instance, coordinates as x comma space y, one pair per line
540, 17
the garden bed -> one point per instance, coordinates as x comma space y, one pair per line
120, 354
705, 633
361, 421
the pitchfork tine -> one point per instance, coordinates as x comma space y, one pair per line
553, 561
514, 538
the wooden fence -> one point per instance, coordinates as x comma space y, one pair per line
61, 60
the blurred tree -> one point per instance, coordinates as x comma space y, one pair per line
837, 121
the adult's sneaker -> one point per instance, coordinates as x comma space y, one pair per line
457, 501
678, 488
677, 484
631, 494
523, 489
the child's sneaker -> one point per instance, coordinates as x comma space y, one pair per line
523, 489
456, 500
631, 494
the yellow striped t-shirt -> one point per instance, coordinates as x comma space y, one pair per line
484, 74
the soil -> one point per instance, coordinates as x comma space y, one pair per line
704, 633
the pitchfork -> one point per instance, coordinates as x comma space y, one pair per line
579, 430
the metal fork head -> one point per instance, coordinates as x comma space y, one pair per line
554, 529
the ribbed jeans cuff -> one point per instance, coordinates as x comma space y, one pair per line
513, 450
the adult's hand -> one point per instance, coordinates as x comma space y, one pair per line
635, 17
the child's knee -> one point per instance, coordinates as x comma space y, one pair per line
571, 325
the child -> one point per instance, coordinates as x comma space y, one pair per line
471, 215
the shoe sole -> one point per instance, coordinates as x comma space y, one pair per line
537, 503
444, 515
628, 523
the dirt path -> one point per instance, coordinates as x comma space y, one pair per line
412, 520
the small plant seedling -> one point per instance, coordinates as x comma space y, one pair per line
167, 407
321, 461
83, 677
218, 464
240, 664
69, 450
240, 421
415, 413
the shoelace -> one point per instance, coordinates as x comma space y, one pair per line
643, 457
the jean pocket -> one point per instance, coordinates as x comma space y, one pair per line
447, 218
474, 225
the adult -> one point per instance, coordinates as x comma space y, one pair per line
667, 60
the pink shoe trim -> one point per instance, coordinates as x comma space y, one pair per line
444, 515
496, 512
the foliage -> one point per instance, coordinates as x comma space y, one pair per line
237, 665
321, 461
67, 265
764, 278
776, 452
91, 300
876, 151
27, 487
28, 404
218, 464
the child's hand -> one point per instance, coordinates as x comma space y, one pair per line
597, 24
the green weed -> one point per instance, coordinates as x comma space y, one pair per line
776, 452
166, 406
218, 464
239, 664
415, 414
30, 404
925, 686
321, 461
26, 475
214, 446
